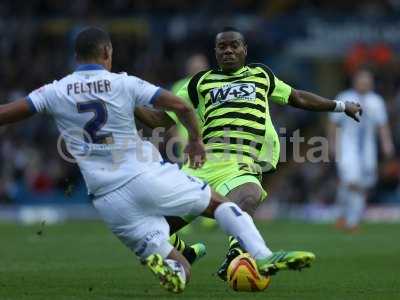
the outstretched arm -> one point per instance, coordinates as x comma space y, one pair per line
153, 118
15, 111
309, 101
186, 115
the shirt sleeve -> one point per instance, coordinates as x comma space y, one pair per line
380, 112
142, 92
42, 99
281, 91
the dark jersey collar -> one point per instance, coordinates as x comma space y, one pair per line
237, 72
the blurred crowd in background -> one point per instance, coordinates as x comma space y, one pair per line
313, 45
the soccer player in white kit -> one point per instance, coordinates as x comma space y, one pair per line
356, 149
132, 188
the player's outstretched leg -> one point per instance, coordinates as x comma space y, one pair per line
234, 221
247, 196
147, 236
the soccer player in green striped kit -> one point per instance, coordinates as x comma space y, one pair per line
232, 106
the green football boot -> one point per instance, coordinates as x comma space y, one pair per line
231, 255
282, 260
169, 279
199, 251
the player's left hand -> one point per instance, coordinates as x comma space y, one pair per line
197, 153
353, 110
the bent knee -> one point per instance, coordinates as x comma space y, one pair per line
249, 204
247, 197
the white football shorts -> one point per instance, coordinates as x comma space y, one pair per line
135, 212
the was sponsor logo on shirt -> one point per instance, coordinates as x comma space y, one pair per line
233, 91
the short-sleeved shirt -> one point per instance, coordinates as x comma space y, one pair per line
357, 142
93, 109
233, 110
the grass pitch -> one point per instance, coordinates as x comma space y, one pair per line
83, 260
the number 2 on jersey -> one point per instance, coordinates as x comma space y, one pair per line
94, 125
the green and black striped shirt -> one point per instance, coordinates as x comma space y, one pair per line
234, 113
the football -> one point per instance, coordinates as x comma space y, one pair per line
243, 275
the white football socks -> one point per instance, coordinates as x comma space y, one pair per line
341, 200
356, 207
239, 224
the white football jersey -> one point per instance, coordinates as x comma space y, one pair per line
94, 112
357, 142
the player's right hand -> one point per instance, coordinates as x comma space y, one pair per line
353, 110
197, 153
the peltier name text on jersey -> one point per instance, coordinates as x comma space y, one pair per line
99, 86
